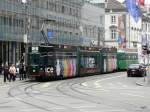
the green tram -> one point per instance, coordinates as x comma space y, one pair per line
124, 59
52, 61
62, 61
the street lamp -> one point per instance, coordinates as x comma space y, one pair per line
24, 1
25, 36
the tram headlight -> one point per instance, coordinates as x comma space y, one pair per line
33, 70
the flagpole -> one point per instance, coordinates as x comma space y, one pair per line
129, 30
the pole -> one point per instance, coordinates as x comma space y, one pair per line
148, 67
98, 36
129, 31
25, 31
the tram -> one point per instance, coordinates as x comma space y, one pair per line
62, 61
124, 59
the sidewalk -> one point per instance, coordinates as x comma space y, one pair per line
143, 82
7, 82
1, 80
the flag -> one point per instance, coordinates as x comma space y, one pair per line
134, 9
119, 40
141, 2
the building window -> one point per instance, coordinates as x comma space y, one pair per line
113, 19
102, 20
113, 34
63, 9
135, 44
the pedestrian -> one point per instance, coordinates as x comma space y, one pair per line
24, 71
12, 72
6, 72
21, 71
17, 69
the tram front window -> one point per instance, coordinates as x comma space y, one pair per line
34, 59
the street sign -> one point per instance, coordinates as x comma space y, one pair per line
35, 49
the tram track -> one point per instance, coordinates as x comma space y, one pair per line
83, 96
45, 101
26, 92
72, 92
22, 100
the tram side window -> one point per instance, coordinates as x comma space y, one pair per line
47, 60
122, 57
88, 62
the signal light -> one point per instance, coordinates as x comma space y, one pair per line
148, 51
144, 47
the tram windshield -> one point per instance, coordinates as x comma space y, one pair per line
34, 58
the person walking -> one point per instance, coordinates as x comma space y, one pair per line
12, 71
6, 72
21, 71
25, 71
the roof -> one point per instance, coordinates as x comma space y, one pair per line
115, 5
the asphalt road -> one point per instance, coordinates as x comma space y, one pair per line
101, 93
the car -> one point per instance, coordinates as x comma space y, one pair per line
136, 70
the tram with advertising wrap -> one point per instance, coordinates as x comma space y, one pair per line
62, 61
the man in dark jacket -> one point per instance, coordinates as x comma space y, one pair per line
6, 72
21, 71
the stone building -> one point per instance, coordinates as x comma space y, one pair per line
21, 24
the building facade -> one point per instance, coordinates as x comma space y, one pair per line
121, 31
21, 24
92, 25
145, 36
115, 24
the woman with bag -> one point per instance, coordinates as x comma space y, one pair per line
12, 72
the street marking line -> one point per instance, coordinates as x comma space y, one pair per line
97, 85
128, 94
98, 81
45, 85
84, 84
